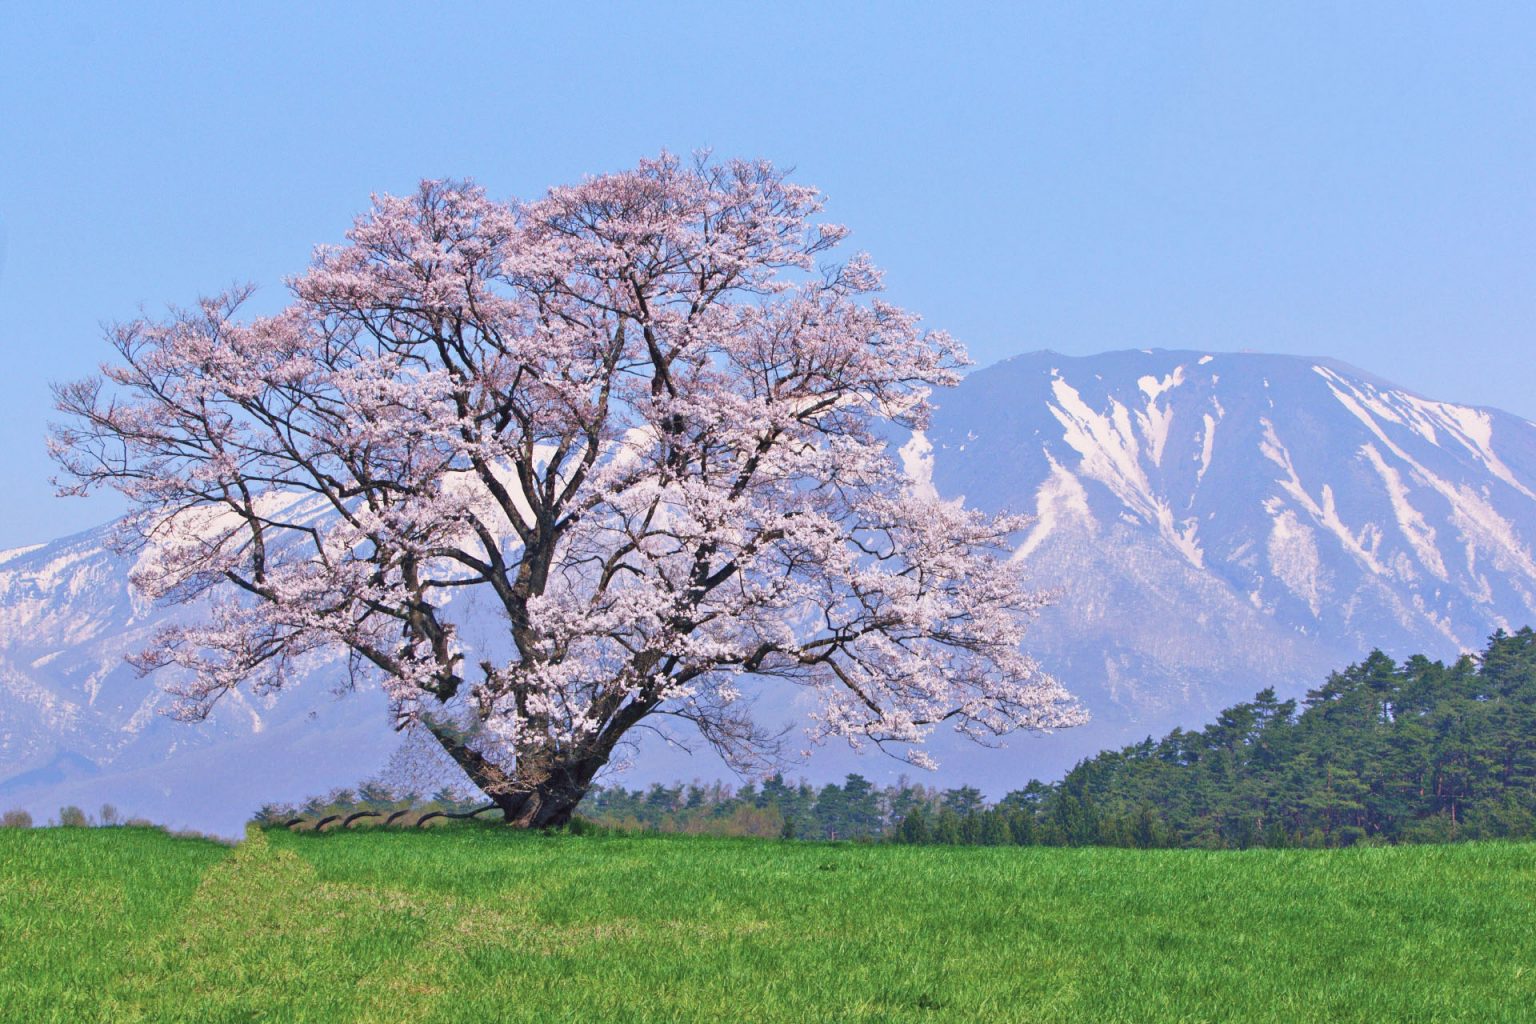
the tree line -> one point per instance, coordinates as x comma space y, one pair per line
1381, 752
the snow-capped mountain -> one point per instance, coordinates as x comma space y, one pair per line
1211, 524
78, 725
1217, 522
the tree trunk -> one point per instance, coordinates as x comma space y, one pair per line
547, 804
535, 795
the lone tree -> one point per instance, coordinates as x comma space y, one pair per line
640, 418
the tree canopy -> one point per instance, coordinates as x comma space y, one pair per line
642, 421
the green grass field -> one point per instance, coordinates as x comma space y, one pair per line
474, 924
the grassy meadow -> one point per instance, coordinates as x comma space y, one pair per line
472, 923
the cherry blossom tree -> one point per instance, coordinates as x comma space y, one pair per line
644, 420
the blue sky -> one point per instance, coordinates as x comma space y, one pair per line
1353, 180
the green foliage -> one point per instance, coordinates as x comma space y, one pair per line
476, 923
1381, 752
914, 827
857, 809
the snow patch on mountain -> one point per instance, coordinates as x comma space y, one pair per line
1481, 525
1110, 452
1419, 534
917, 462
1207, 444
1155, 420
1059, 501
1325, 511
1471, 428
1107, 445
1294, 559
10, 553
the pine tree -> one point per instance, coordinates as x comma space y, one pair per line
914, 828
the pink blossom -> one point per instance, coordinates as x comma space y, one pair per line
639, 417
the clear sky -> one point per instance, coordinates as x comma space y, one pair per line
1353, 180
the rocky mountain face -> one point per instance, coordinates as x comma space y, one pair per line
1210, 523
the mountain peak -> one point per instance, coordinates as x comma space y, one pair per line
1298, 502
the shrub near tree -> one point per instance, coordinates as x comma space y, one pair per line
640, 418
